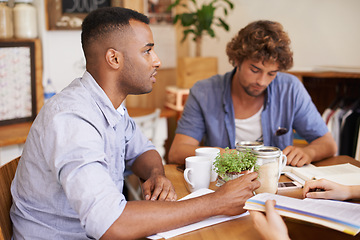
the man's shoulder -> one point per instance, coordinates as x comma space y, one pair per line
73, 100
214, 82
287, 86
72, 97
283, 77
216, 79
285, 81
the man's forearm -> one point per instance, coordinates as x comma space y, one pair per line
178, 154
147, 164
143, 218
182, 147
322, 147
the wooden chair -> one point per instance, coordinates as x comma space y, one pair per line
7, 173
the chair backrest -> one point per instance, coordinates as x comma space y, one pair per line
148, 123
7, 173
149, 127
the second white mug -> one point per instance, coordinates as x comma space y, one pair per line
210, 152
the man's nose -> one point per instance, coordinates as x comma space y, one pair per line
156, 61
261, 80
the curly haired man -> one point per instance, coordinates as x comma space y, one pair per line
253, 101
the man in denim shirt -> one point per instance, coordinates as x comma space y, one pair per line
69, 180
253, 101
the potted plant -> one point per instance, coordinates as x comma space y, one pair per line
232, 164
198, 20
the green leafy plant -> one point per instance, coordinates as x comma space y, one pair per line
234, 162
200, 19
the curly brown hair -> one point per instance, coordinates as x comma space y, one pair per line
264, 41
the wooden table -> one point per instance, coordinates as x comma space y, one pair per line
242, 228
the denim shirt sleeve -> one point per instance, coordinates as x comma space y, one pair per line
192, 122
308, 121
208, 113
136, 143
86, 174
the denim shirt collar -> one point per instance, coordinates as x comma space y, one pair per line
227, 92
228, 108
112, 115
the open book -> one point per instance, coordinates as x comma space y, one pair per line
338, 215
346, 174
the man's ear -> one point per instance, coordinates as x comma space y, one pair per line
236, 63
114, 59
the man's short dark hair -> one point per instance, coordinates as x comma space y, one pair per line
264, 41
98, 23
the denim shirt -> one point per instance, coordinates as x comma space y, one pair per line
209, 113
69, 181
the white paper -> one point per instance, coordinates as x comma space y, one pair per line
198, 225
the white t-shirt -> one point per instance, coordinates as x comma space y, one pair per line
248, 129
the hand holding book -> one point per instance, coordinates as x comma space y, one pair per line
271, 226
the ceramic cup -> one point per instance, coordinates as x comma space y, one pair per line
211, 153
271, 162
197, 172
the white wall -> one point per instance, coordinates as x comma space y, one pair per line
323, 32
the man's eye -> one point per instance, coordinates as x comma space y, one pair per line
148, 51
255, 70
272, 74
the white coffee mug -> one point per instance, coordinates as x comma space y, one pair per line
197, 172
210, 152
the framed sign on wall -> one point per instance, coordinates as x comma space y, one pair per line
157, 11
17, 82
69, 14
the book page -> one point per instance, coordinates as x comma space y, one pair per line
288, 168
342, 216
340, 209
345, 179
303, 172
347, 173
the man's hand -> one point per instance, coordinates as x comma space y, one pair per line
159, 188
296, 156
148, 166
320, 148
231, 197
